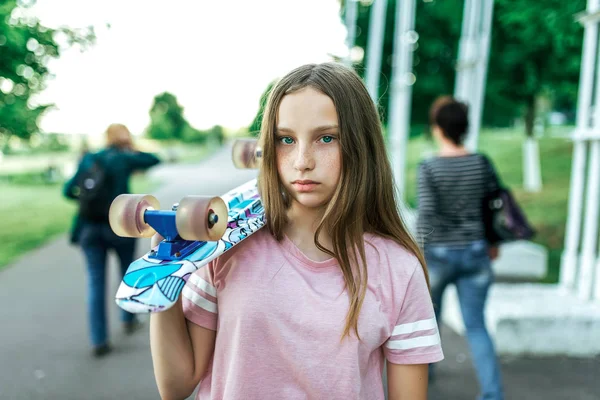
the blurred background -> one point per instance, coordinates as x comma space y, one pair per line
188, 77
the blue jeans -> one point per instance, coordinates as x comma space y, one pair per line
469, 268
96, 240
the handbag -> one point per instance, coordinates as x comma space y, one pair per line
504, 220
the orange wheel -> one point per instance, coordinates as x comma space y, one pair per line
126, 215
201, 218
246, 153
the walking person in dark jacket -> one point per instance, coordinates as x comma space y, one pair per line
451, 189
101, 177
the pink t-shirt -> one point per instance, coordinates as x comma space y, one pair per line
280, 316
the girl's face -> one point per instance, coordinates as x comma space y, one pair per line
307, 147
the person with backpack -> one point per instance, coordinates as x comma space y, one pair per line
99, 179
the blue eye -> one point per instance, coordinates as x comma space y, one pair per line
327, 139
286, 140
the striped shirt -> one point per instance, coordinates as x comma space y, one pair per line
450, 198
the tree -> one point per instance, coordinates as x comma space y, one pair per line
166, 119
168, 123
255, 126
438, 25
26, 47
535, 50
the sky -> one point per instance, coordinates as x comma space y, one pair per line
216, 57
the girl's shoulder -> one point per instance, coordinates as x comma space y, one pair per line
260, 240
390, 256
249, 251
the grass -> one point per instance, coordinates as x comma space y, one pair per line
33, 214
546, 210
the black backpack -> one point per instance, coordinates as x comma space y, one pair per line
96, 191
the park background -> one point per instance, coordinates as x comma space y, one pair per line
50, 112
188, 77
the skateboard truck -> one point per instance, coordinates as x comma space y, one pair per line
172, 248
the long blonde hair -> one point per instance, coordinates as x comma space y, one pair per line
364, 200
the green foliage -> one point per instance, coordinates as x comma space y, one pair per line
438, 24
168, 123
166, 119
535, 50
47, 212
26, 47
255, 126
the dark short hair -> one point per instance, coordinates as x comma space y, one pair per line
451, 116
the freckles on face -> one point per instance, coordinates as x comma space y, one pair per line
308, 146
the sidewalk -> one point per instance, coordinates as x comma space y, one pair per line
44, 350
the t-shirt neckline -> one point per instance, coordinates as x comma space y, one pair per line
291, 248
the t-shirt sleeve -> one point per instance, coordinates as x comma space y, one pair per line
199, 297
415, 338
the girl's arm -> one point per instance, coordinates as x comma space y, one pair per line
407, 381
181, 352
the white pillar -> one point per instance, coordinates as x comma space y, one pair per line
569, 259
400, 100
464, 52
375, 47
590, 233
596, 293
480, 71
351, 14
532, 166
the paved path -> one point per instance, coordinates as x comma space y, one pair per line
44, 351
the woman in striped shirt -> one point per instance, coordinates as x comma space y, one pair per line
452, 186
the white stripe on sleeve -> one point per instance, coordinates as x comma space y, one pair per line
422, 325
203, 285
199, 300
406, 344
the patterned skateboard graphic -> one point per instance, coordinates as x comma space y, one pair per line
152, 285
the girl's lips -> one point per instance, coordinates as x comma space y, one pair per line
304, 186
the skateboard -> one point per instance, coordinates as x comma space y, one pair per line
194, 232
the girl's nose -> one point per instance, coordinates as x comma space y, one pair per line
304, 159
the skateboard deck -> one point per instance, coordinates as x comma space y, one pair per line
154, 282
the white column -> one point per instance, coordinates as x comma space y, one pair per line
480, 74
400, 100
596, 294
375, 47
590, 233
532, 166
464, 49
569, 259
351, 14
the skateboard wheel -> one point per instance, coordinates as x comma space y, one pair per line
246, 153
126, 215
201, 218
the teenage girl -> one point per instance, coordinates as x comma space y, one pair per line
311, 306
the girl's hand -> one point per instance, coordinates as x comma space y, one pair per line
494, 251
